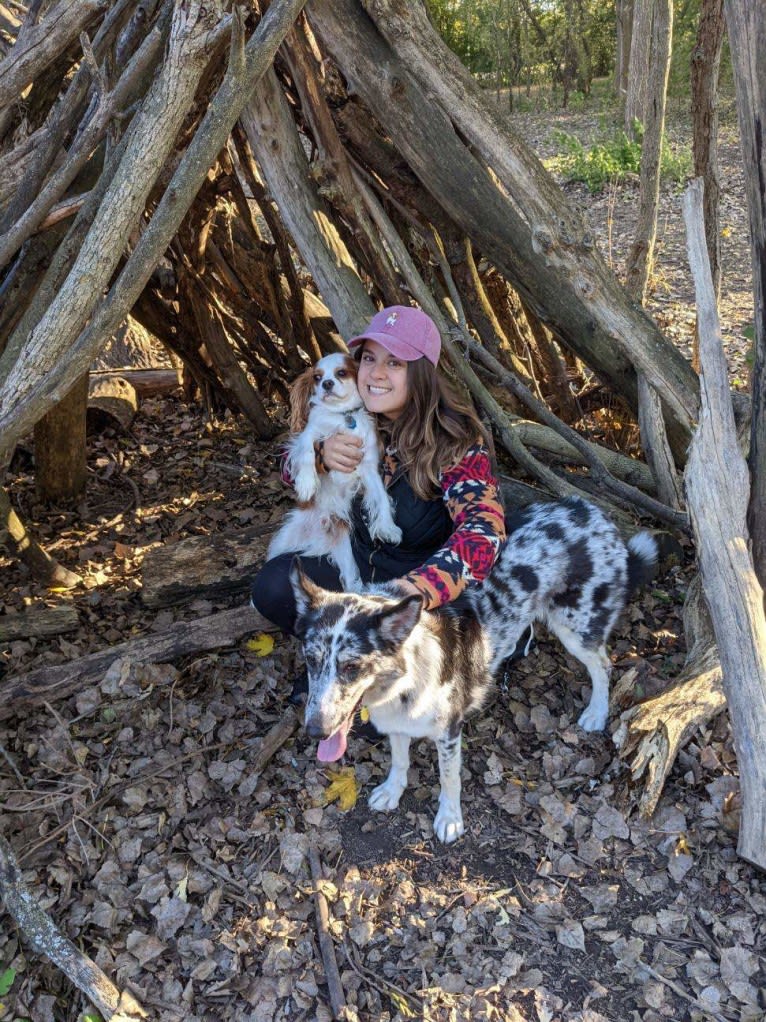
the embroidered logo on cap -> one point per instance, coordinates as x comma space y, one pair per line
391, 321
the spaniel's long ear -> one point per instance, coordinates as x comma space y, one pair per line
301, 390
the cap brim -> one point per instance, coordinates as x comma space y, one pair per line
398, 347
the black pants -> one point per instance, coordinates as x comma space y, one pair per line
272, 593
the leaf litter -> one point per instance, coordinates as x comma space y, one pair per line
144, 833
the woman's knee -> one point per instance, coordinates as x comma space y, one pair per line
271, 591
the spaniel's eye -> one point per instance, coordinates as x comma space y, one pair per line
317, 377
342, 374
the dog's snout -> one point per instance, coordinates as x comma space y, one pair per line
314, 730
328, 384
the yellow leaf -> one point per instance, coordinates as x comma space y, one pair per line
182, 888
261, 645
682, 846
342, 788
364, 714
401, 1004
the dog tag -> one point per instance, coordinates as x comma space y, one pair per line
350, 421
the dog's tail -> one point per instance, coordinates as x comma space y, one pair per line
643, 559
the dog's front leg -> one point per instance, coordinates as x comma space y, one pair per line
386, 796
448, 824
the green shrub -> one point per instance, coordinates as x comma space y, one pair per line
612, 159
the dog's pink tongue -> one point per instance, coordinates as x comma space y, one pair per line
332, 748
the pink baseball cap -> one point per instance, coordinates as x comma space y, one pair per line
407, 333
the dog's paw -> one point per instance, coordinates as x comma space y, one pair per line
448, 824
388, 533
385, 797
593, 718
305, 486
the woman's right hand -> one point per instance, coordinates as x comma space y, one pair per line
342, 452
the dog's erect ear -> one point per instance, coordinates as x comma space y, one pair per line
301, 390
397, 621
307, 593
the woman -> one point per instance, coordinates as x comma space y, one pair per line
436, 467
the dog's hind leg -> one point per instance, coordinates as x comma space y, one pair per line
343, 557
386, 796
448, 823
377, 504
594, 716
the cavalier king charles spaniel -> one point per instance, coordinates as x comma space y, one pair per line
324, 400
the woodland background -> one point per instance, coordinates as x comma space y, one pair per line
161, 807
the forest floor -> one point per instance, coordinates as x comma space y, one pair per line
144, 833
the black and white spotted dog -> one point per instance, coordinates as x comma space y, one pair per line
419, 674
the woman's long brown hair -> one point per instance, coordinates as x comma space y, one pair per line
435, 429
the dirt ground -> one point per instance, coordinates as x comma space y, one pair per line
144, 832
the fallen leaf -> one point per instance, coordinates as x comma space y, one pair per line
261, 645
342, 788
571, 934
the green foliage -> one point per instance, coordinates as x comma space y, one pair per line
508, 43
612, 159
6, 981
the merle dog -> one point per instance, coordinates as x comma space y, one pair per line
420, 674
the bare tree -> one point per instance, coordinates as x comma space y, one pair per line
639, 263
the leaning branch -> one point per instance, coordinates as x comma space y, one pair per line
718, 487
209, 139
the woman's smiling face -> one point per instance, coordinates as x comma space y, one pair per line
382, 381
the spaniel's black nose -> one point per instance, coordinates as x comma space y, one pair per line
328, 384
314, 731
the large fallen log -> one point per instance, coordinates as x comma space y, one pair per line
38, 621
46, 684
718, 490
209, 566
145, 382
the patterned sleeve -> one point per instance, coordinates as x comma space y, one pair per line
469, 490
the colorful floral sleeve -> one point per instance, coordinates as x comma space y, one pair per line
469, 490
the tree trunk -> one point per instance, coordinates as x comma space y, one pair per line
624, 29
717, 488
640, 259
747, 37
705, 65
60, 451
639, 64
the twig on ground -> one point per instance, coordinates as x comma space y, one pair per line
326, 946
680, 992
46, 939
274, 739
10, 761
382, 986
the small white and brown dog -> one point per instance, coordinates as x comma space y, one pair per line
324, 400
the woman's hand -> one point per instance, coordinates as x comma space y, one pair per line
342, 452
